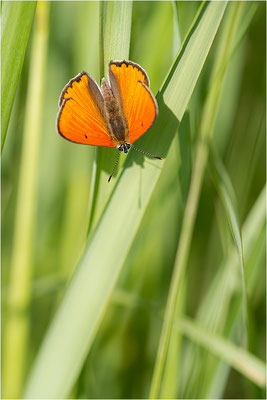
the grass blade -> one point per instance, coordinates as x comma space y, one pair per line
238, 358
17, 20
225, 189
115, 33
214, 315
74, 326
16, 330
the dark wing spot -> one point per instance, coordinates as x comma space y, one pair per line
86, 136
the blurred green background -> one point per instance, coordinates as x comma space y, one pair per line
120, 362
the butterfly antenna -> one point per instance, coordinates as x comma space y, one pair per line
114, 166
144, 152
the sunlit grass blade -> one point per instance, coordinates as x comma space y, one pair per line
75, 324
16, 24
17, 326
115, 33
238, 358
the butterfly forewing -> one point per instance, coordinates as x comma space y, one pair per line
129, 82
81, 116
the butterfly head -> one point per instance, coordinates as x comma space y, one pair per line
124, 147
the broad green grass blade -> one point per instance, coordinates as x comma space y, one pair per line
72, 331
115, 33
17, 326
238, 358
143, 269
16, 25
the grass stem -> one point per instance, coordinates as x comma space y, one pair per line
17, 326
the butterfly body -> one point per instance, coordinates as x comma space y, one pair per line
117, 124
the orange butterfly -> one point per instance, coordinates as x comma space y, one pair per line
115, 115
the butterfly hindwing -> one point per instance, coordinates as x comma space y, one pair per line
81, 116
130, 85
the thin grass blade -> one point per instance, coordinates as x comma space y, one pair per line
17, 326
225, 190
213, 315
16, 25
243, 361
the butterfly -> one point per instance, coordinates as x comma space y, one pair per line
115, 115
